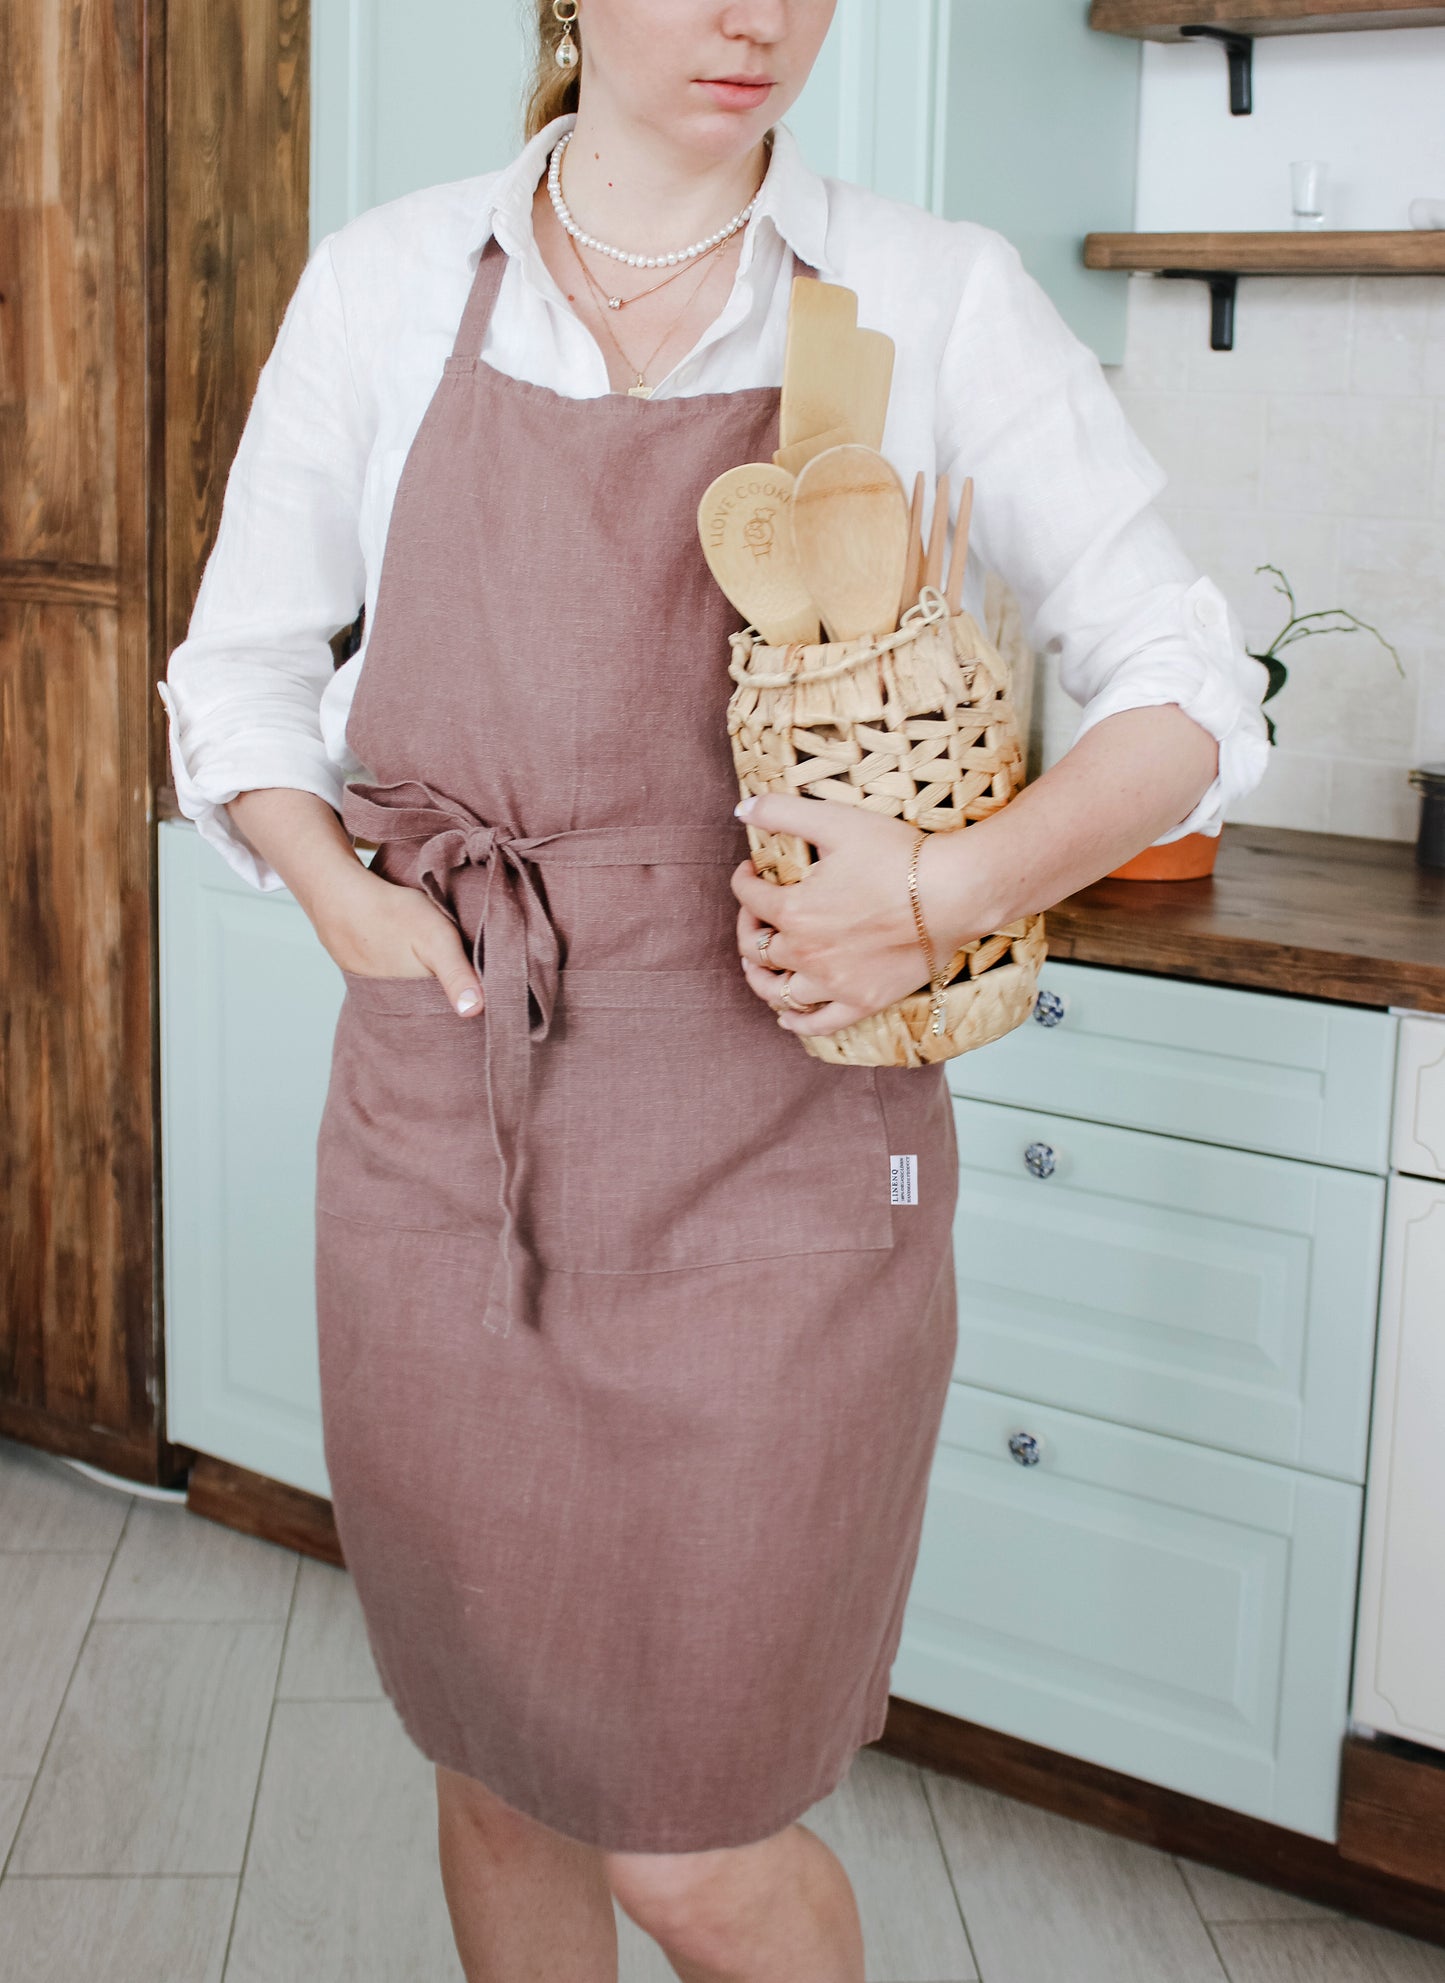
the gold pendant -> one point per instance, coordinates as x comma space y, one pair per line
640, 390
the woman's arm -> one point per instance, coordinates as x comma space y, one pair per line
366, 923
243, 690
847, 929
1123, 784
286, 572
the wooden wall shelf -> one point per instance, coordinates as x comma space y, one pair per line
1164, 20
1235, 25
1355, 251
1221, 259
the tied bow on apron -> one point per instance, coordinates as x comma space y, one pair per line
515, 950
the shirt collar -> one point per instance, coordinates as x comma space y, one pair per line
793, 198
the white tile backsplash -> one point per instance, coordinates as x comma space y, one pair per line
1347, 454
1318, 444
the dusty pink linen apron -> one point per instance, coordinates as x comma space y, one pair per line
631, 1372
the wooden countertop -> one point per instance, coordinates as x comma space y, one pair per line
1318, 915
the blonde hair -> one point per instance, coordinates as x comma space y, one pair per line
553, 91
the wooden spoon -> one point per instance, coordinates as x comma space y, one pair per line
850, 533
743, 523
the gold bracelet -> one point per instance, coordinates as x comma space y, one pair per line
935, 983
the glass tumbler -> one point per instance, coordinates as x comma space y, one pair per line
1307, 191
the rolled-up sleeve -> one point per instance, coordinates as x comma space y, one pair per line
1065, 513
243, 689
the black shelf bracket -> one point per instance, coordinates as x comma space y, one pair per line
1223, 288
1240, 50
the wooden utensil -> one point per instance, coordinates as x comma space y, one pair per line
937, 536
864, 385
743, 523
850, 534
953, 591
913, 563
873, 356
818, 364
796, 458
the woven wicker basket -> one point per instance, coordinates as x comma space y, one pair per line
917, 724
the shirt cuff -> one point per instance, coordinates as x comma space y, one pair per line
203, 799
1212, 678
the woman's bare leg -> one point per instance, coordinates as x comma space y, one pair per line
528, 1905
779, 1911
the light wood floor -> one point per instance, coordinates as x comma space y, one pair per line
202, 1782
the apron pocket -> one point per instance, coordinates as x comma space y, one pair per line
673, 1123
405, 1137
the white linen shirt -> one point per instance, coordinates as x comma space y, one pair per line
990, 382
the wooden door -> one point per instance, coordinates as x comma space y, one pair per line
154, 161
77, 1345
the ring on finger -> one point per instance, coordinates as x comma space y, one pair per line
785, 997
765, 937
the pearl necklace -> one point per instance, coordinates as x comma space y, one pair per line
554, 187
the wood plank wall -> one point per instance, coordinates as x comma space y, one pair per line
153, 166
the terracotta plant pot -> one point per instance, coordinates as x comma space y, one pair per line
1177, 860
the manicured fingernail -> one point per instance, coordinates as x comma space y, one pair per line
745, 806
468, 1001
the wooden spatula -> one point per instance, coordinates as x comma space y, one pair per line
850, 533
796, 458
873, 355
743, 523
818, 366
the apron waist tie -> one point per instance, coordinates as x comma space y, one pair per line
515, 951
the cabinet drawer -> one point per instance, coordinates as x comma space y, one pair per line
1400, 1675
1419, 1143
1216, 1295
1293, 1076
1178, 1614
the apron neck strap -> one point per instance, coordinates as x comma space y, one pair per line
481, 301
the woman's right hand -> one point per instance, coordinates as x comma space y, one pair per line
376, 928
371, 927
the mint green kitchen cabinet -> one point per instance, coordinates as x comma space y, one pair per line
1399, 1683
1142, 1536
1212, 1293
1017, 116
248, 1005
1294, 1077
1176, 1613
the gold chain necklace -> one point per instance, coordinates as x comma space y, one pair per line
624, 302
642, 390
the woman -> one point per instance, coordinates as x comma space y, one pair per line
631, 1371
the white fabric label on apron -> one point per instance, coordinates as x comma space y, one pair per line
903, 1172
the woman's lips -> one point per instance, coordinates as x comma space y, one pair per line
735, 93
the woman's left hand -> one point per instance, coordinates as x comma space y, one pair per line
846, 943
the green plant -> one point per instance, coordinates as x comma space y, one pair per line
1299, 627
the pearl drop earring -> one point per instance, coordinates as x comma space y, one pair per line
565, 11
